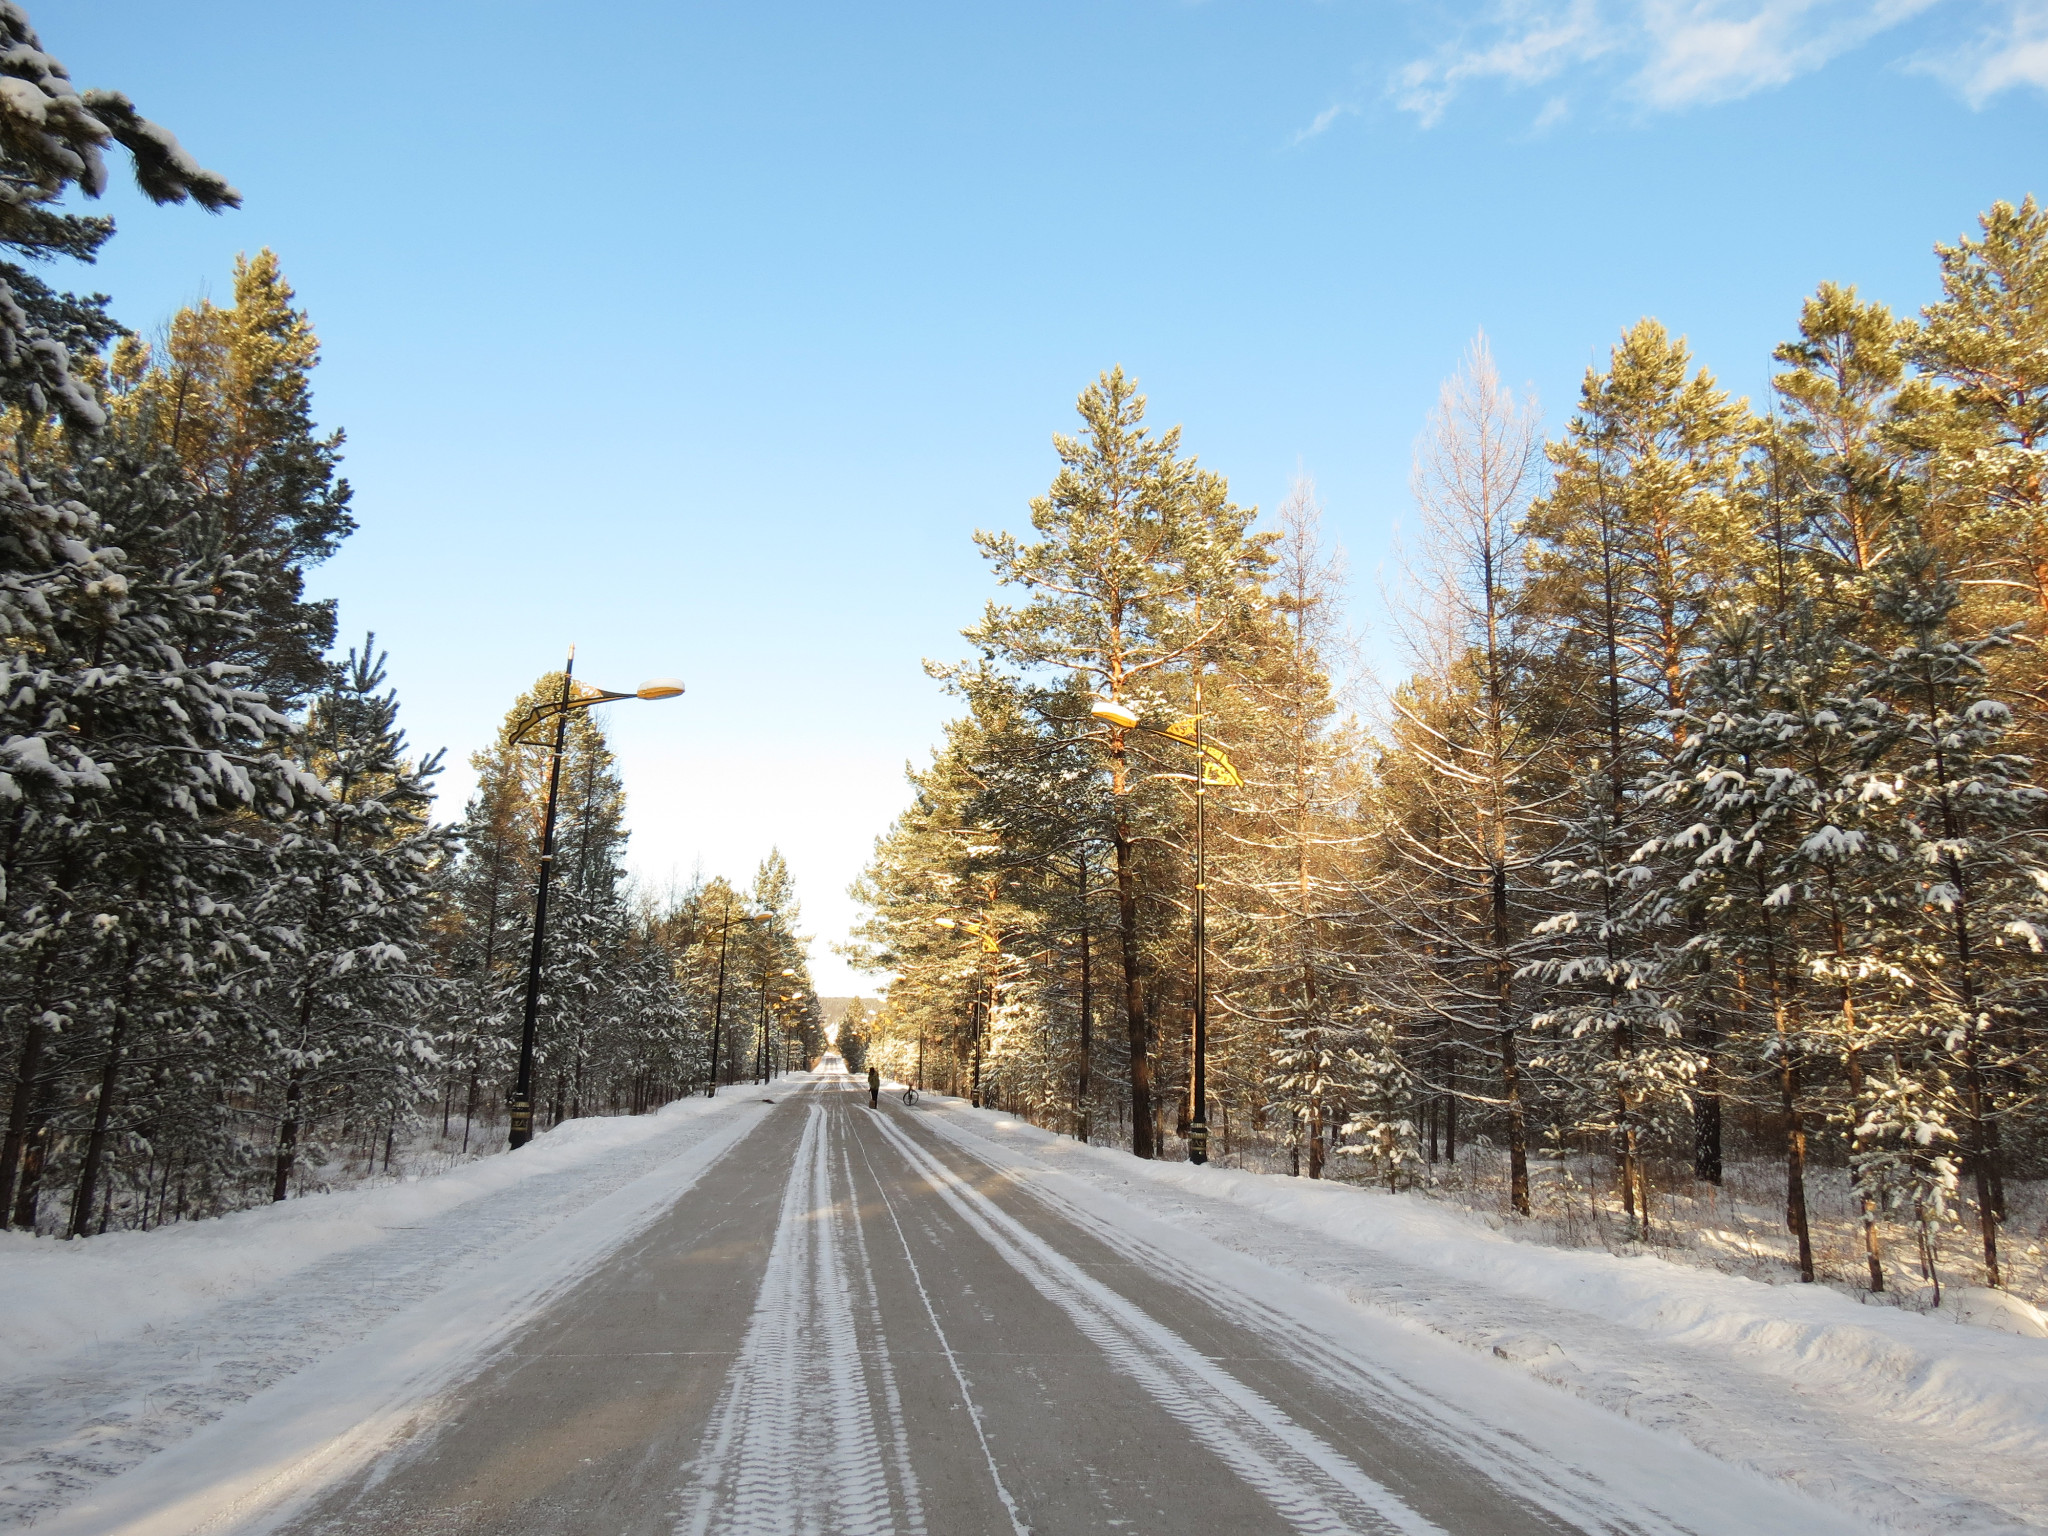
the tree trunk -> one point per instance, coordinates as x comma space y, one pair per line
288, 1135
27, 1067
1982, 1153
1504, 1029
469, 1105
1795, 1160
32, 1163
102, 1114
1134, 1000
1087, 1063
1706, 1112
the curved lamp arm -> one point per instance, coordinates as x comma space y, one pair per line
653, 688
1215, 767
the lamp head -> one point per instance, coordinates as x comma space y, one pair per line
1114, 712
659, 688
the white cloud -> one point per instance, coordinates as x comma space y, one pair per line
1669, 54
1710, 52
1518, 43
1323, 120
2010, 51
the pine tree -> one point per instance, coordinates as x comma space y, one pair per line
1769, 829
1132, 538
131, 860
228, 394
352, 988
1643, 530
1987, 341
1965, 815
1847, 471
66, 597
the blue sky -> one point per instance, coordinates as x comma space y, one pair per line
704, 336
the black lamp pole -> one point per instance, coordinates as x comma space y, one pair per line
1198, 1122
657, 688
522, 1091
975, 1097
1210, 766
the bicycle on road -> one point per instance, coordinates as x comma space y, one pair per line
909, 1097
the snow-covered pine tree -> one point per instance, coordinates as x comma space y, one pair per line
590, 926
1968, 922
1769, 826
103, 722
160, 861
228, 394
1847, 474
351, 1003
1643, 530
1383, 1096
935, 872
485, 931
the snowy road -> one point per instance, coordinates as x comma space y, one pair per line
852, 1323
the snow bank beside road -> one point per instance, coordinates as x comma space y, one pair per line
181, 1373
1885, 1413
1919, 1368
89, 1293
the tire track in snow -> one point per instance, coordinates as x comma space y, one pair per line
792, 1447
1312, 1486
1576, 1499
885, 1369
1017, 1525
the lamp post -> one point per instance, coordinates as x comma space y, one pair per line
980, 1014
558, 711
1212, 767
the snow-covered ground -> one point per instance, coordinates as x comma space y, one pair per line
1913, 1423
116, 1348
298, 1334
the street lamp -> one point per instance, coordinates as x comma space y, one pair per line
1212, 767
559, 711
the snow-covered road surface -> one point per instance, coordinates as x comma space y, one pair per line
226, 1355
1908, 1423
842, 1321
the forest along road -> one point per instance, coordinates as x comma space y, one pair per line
850, 1324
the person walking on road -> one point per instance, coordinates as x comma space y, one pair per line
874, 1088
